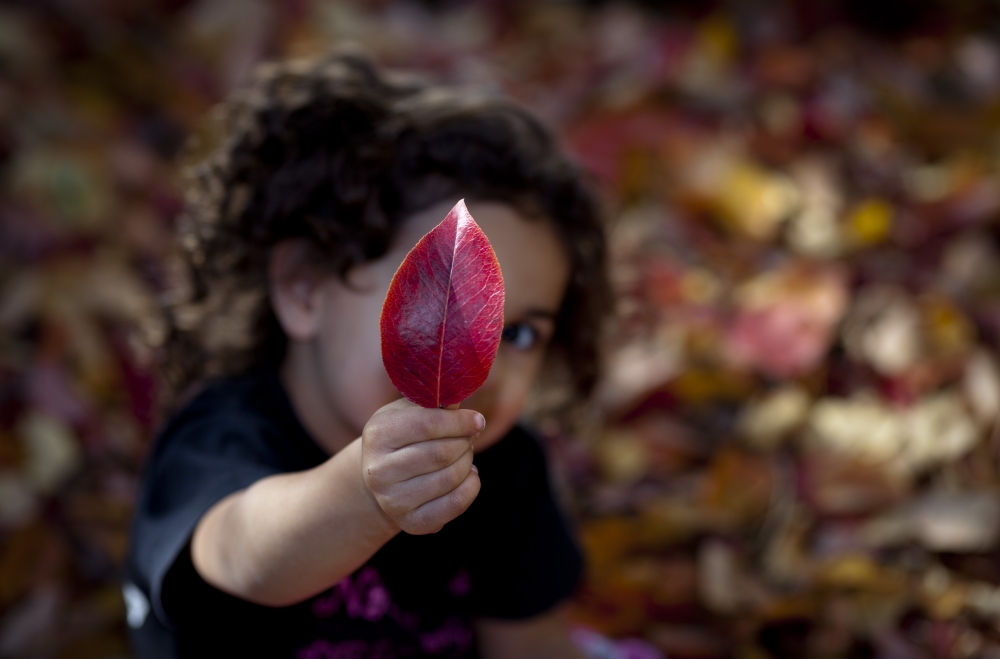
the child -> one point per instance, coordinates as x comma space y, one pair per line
297, 506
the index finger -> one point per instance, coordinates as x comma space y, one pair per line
402, 423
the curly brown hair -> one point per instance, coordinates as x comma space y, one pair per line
339, 153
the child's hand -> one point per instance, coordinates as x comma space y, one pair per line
417, 462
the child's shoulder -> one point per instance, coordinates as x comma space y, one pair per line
224, 401
244, 414
222, 395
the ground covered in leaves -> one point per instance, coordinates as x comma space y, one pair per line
794, 451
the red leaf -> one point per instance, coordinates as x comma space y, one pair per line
442, 318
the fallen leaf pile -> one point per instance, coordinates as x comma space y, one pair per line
794, 449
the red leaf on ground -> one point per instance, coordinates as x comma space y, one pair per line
442, 318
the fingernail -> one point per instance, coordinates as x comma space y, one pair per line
475, 469
480, 421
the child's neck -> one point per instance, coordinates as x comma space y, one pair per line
302, 378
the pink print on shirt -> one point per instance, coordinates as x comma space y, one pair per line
460, 584
453, 635
365, 596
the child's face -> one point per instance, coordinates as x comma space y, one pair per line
347, 346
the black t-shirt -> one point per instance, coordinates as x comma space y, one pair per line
509, 556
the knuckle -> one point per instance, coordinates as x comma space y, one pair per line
439, 455
455, 503
373, 426
390, 500
393, 508
449, 478
418, 525
426, 424
385, 504
371, 432
427, 529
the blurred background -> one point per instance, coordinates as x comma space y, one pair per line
794, 452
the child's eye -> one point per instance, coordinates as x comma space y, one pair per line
521, 335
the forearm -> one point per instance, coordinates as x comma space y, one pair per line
290, 536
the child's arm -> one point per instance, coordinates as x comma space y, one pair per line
543, 637
290, 536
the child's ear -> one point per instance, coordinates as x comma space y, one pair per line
296, 290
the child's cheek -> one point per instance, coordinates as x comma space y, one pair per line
503, 398
351, 347
356, 381
371, 391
